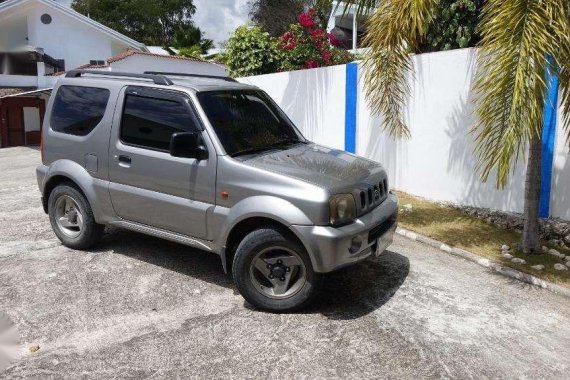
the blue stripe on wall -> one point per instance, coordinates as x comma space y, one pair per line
350, 107
548, 139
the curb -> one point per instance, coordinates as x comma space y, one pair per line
484, 262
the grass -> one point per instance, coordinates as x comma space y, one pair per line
457, 229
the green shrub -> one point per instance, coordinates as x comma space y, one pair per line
251, 51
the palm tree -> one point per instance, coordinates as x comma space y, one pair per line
520, 40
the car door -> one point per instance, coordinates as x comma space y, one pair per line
148, 185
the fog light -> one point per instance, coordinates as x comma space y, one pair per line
355, 244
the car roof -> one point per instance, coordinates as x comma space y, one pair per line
198, 83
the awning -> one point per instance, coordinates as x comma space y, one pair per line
30, 94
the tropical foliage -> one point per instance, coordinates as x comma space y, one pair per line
275, 16
453, 26
307, 46
252, 51
152, 22
520, 40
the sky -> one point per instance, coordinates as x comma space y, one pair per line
218, 18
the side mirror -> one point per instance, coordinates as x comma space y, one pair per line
188, 145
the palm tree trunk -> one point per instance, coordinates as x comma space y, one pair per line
530, 239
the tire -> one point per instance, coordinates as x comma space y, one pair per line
269, 247
86, 231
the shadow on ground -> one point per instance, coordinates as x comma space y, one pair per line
346, 294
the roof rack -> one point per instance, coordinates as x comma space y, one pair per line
157, 79
227, 79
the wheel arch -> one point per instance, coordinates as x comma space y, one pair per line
55, 181
93, 189
244, 227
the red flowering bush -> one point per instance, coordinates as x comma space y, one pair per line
306, 46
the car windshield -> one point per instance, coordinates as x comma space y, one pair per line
248, 122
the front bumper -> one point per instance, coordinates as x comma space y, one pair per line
332, 248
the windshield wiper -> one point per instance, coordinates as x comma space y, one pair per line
251, 151
287, 142
267, 147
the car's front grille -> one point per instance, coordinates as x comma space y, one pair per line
373, 195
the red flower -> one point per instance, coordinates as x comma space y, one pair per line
326, 56
285, 37
290, 45
334, 40
317, 34
306, 21
311, 64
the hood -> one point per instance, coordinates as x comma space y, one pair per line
327, 168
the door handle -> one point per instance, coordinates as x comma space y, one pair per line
125, 159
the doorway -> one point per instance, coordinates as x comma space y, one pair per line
20, 121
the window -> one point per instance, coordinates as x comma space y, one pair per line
247, 121
46, 19
150, 122
77, 110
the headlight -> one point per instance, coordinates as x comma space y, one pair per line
342, 209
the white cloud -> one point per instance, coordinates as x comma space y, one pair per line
219, 18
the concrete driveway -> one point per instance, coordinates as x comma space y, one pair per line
140, 307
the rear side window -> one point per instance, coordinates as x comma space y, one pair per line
77, 110
149, 122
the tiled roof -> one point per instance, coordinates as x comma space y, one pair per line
5, 91
90, 66
131, 52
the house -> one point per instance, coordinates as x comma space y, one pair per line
346, 26
135, 61
40, 39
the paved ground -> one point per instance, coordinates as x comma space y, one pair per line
141, 307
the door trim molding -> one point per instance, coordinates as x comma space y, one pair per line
163, 234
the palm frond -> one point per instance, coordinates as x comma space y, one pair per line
359, 7
518, 37
395, 28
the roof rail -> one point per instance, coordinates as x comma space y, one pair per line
157, 79
227, 79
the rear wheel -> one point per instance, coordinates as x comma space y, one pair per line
72, 219
273, 272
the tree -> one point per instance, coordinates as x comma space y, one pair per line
275, 16
453, 25
520, 40
152, 22
251, 51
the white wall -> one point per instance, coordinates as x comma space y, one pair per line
67, 38
437, 162
313, 99
18, 81
139, 63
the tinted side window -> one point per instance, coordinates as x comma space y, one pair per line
77, 110
150, 122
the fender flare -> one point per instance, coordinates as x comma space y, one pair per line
262, 206
95, 190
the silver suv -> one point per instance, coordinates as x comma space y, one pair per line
213, 164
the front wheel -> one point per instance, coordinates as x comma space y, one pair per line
273, 271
